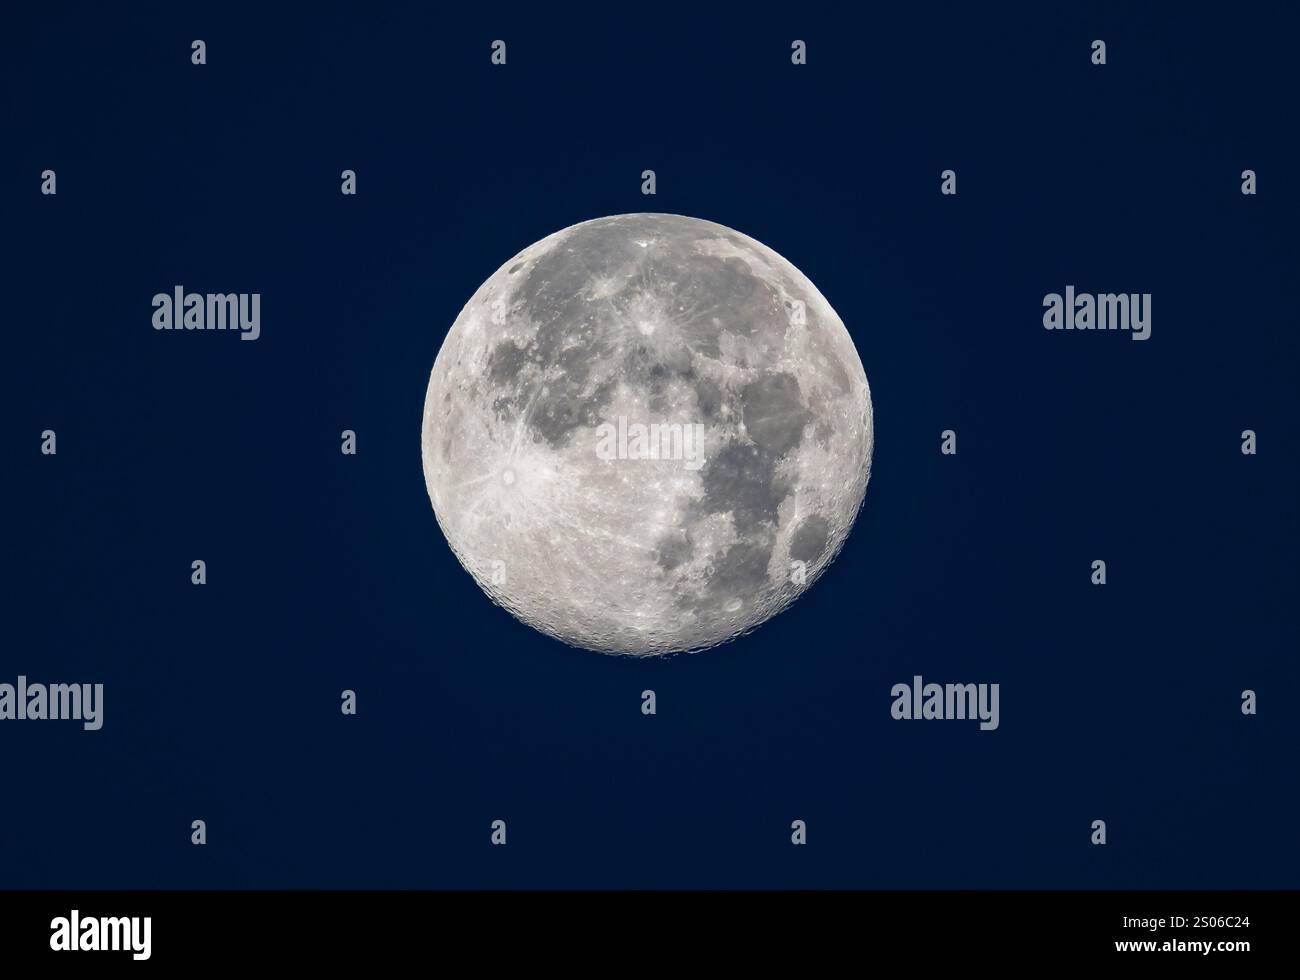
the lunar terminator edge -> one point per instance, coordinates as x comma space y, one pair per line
647, 434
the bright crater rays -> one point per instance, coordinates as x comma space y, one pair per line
646, 434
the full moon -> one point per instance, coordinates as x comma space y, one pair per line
646, 434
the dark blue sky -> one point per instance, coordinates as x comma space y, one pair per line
328, 572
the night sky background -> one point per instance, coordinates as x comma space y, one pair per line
329, 572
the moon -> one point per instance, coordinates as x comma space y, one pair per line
646, 434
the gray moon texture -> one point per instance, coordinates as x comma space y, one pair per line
637, 320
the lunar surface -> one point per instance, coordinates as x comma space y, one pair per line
647, 434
